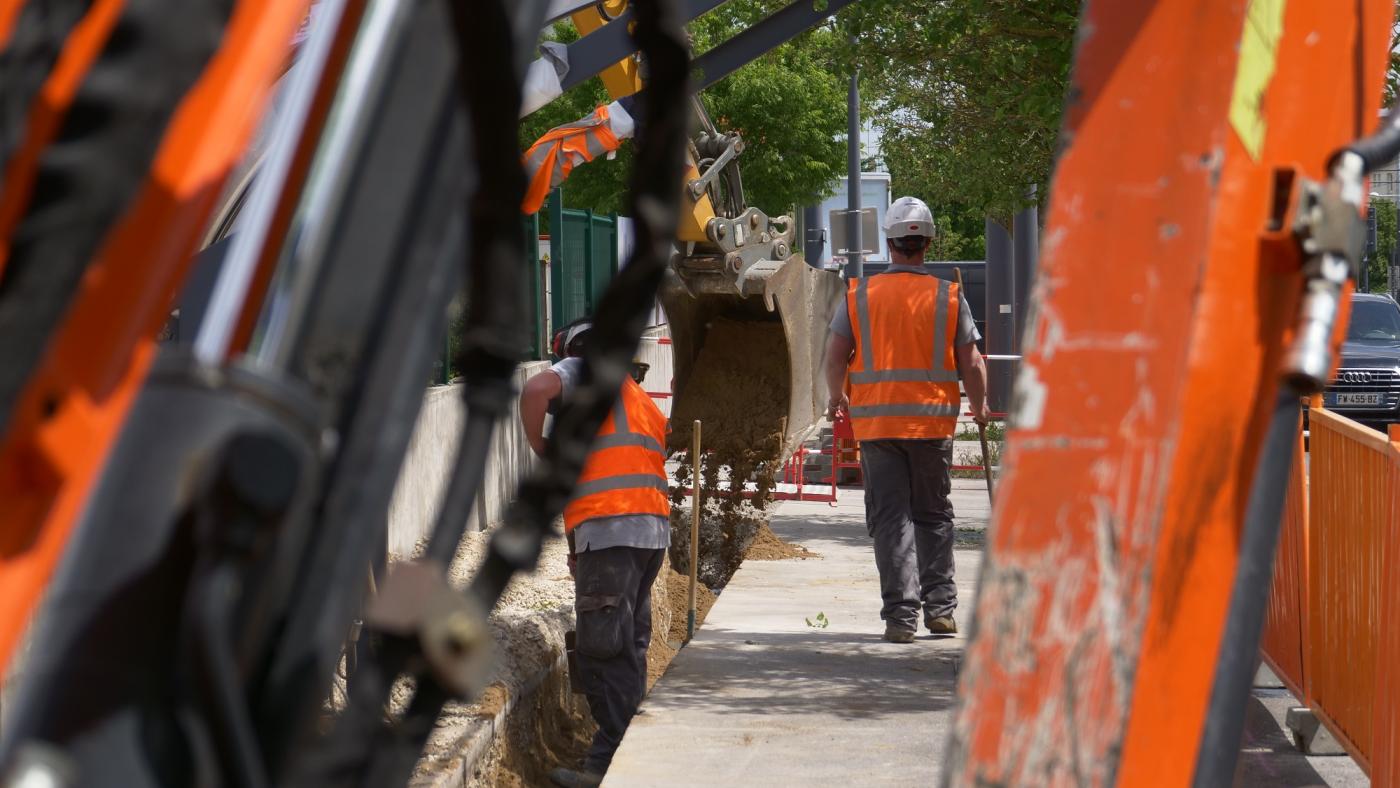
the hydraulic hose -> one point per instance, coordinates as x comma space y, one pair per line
1381, 147
1331, 238
621, 314
362, 750
1249, 599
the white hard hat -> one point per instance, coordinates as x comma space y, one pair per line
908, 216
575, 331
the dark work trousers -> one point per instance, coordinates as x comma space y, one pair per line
613, 604
909, 516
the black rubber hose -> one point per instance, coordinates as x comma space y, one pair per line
1381, 147
493, 336
620, 318
361, 750
1249, 599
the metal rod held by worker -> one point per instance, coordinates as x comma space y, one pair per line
981, 428
694, 529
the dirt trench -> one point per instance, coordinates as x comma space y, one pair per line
741, 399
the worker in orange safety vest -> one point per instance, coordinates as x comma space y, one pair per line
903, 340
618, 526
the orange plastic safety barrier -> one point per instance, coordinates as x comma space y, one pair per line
1353, 558
1385, 730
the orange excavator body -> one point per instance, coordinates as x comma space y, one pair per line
71, 411
1168, 288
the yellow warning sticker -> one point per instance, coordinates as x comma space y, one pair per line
1263, 28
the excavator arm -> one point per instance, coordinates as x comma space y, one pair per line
735, 265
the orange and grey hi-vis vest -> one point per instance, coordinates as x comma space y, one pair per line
904, 377
626, 470
550, 160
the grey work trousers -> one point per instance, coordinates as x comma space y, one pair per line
910, 518
613, 605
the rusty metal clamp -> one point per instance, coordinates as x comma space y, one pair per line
452, 629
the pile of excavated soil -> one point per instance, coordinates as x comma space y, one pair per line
738, 389
767, 546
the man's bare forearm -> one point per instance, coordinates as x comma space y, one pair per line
974, 372
838, 358
534, 404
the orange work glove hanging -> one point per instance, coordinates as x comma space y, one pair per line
553, 156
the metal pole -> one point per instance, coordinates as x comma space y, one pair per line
1025, 240
1395, 258
854, 268
1370, 245
694, 529
812, 242
1000, 321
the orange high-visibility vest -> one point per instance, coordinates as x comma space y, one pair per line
626, 470
904, 377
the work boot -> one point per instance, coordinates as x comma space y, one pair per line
941, 625
568, 778
897, 634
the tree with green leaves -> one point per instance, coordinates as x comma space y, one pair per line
1379, 264
970, 95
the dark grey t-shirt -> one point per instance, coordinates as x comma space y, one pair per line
647, 531
967, 329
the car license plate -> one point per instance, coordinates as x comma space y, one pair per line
1360, 399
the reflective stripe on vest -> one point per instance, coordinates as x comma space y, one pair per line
626, 469
891, 398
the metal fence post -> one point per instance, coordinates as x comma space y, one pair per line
1370, 245
589, 298
1001, 287
535, 310
812, 241
854, 267
556, 259
1025, 239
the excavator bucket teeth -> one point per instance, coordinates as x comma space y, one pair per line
748, 353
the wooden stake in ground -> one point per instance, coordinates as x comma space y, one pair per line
981, 428
694, 529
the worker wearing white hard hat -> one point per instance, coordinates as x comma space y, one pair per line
899, 347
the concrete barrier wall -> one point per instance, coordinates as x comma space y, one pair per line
433, 449
431, 453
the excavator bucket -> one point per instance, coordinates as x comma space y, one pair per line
748, 347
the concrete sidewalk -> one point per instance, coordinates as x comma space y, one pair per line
762, 697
